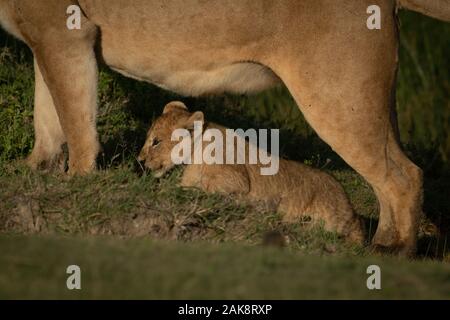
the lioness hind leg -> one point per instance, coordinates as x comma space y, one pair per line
348, 103
49, 137
362, 135
365, 139
400, 196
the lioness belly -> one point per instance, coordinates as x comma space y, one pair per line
190, 48
191, 69
233, 78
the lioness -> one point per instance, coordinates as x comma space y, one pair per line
296, 190
341, 74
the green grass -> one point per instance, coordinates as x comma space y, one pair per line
123, 201
143, 269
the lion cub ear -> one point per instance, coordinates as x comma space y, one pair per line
174, 106
195, 117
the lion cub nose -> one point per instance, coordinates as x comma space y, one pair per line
141, 156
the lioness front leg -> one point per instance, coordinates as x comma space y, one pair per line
67, 64
69, 67
49, 136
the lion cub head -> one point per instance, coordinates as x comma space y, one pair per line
158, 146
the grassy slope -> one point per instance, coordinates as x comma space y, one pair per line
142, 269
120, 202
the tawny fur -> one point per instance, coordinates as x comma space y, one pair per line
341, 75
295, 191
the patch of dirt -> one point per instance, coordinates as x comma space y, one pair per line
26, 218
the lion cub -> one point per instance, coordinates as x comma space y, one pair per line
296, 190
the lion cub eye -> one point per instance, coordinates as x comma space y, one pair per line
155, 142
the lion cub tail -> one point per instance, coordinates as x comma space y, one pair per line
439, 9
